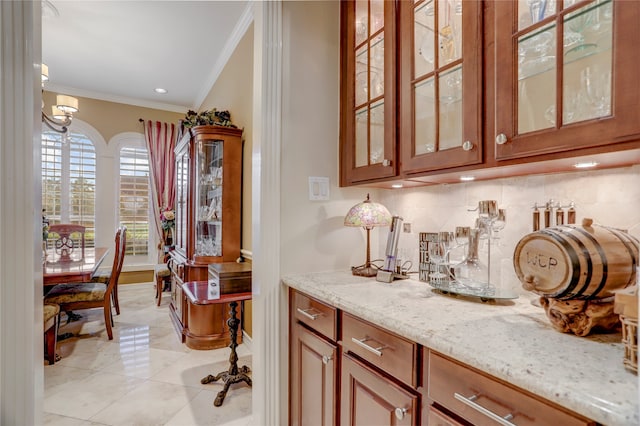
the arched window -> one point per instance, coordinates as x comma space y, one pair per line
69, 180
134, 198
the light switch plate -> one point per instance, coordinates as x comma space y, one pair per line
318, 188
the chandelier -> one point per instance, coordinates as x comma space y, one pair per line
62, 111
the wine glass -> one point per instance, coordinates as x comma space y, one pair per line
438, 254
500, 222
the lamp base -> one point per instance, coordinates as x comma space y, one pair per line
364, 271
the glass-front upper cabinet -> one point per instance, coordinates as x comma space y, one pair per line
209, 197
209, 194
368, 106
566, 74
440, 84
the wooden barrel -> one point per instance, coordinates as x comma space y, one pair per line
576, 262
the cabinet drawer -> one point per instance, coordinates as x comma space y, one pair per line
477, 397
315, 314
387, 351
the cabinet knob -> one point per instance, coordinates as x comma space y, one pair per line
467, 145
501, 139
400, 413
326, 359
386, 162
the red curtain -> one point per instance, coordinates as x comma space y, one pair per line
161, 140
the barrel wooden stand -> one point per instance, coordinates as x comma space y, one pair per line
580, 316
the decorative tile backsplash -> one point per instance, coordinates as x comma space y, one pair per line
610, 197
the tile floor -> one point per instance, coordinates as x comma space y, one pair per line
144, 376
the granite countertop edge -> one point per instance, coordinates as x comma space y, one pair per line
510, 340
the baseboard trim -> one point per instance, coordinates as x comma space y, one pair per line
246, 340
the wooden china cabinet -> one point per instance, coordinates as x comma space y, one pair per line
432, 88
208, 197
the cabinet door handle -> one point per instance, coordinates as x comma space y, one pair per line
501, 139
400, 413
470, 401
361, 342
386, 162
326, 359
467, 145
305, 312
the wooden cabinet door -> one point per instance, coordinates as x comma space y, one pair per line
436, 417
367, 91
566, 76
313, 377
440, 84
368, 398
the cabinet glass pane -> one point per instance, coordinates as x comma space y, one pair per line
423, 38
362, 76
377, 15
533, 11
536, 96
182, 185
377, 133
449, 30
588, 63
209, 198
425, 112
450, 113
362, 21
362, 144
377, 66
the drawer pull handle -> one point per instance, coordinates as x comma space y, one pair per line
400, 413
326, 359
470, 401
305, 312
362, 344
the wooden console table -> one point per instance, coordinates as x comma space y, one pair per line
200, 293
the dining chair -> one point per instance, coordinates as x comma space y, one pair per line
50, 315
69, 237
103, 276
92, 295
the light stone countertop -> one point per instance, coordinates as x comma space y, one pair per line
512, 340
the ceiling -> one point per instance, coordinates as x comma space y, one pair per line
120, 51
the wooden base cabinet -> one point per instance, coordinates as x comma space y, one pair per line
369, 398
314, 369
481, 399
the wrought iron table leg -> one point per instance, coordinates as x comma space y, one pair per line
233, 374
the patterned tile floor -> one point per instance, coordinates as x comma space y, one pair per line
144, 376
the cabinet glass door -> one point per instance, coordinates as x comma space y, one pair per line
560, 78
209, 174
440, 84
182, 196
368, 106
584, 70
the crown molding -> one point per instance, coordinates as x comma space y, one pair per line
50, 87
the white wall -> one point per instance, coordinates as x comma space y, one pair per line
313, 236
609, 197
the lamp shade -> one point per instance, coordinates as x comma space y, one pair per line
44, 72
57, 113
67, 103
368, 215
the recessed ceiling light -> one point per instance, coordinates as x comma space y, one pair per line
585, 164
397, 185
467, 178
160, 90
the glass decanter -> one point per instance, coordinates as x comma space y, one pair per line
472, 272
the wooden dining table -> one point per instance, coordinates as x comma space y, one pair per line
74, 268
